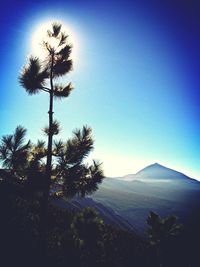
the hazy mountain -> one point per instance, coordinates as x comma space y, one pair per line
156, 171
155, 188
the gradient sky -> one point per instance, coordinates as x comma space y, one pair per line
136, 77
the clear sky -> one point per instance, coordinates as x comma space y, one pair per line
136, 78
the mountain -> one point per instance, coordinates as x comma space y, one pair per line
154, 188
155, 172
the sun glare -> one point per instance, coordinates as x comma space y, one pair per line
40, 35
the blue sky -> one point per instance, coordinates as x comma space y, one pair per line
136, 79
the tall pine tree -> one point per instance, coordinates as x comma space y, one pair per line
73, 176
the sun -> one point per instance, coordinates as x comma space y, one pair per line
40, 35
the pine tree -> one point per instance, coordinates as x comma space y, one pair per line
73, 176
14, 151
37, 75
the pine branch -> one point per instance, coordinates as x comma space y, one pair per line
32, 77
60, 91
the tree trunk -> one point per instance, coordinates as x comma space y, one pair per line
47, 180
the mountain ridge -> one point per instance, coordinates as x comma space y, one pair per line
156, 171
154, 188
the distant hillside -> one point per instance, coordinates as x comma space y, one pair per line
155, 188
106, 213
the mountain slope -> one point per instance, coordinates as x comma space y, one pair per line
106, 213
155, 188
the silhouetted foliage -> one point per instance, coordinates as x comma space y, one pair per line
39, 75
78, 239
14, 151
81, 238
163, 233
71, 176
162, 229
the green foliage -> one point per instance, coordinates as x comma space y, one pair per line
162, 229
56, 27
86, 222
55, 128
76, 177
75, 150
35, 76
14, 151
61, 67
164, 235
62, 91
70, 175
